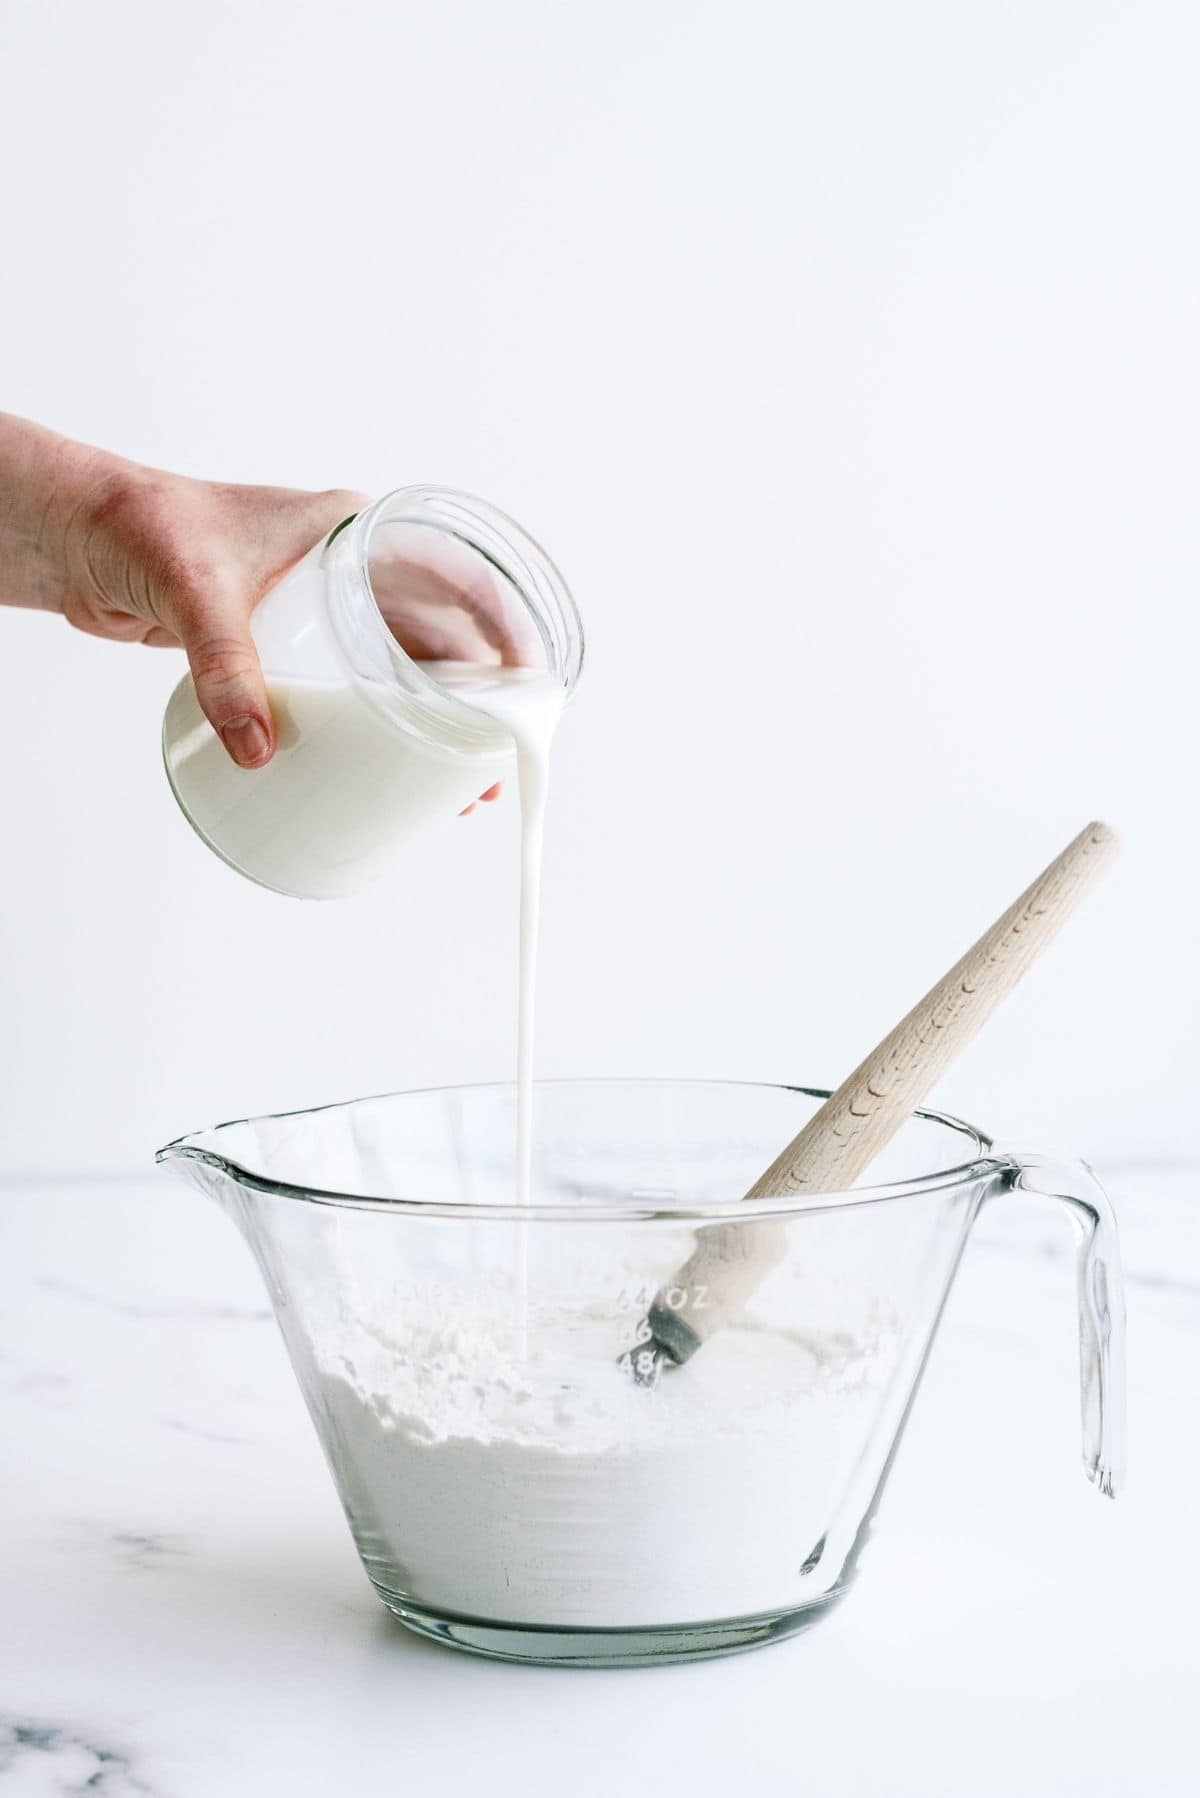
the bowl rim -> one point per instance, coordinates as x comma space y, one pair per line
194, 1147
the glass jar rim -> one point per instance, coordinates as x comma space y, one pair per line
490, 533
982, 1163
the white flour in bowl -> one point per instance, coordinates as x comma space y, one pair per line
556, 1491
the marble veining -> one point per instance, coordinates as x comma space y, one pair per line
147, 1549
54, 1758
186, 1427
127, 1308
1056, 1249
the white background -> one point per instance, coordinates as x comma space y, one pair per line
844, 356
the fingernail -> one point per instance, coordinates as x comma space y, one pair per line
247, 741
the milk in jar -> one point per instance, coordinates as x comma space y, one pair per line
406, 657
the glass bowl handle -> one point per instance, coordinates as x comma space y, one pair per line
1101, 1308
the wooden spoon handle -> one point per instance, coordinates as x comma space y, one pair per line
845, 1136
842, 1139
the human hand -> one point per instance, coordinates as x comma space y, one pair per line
166, 561
138, 555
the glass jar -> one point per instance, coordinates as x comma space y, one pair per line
365, 644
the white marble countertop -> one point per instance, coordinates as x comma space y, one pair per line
182, 1613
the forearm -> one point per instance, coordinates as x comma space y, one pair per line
45, 481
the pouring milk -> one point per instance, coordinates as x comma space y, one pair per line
528, 705
406, 657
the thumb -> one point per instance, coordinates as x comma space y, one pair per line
229, 682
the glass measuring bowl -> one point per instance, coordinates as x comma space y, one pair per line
511, 1488
377, 741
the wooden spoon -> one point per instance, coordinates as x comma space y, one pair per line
844, 1137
